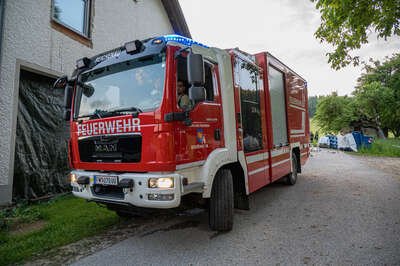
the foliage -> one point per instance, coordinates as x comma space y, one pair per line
383, 147
346, 25
312, 105
22, 213
378, 94
334, 112
375, 101
67, 218
371, 102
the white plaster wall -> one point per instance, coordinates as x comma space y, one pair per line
28, 36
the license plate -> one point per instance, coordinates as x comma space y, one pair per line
106, 180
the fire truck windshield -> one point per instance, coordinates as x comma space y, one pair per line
131, 85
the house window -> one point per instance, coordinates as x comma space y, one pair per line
73, 14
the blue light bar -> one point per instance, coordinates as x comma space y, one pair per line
182, 40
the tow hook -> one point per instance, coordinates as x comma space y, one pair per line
126, 184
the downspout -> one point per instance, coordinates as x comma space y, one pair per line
2, 7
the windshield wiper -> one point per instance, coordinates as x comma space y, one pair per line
98, 113
126, 109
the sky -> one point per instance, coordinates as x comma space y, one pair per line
285, 28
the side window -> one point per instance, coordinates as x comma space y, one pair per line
73, 14
209, 84
278, 106
182, 84
248, 81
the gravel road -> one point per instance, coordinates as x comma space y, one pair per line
343, 211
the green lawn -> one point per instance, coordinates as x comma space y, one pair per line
67, 219
383, 147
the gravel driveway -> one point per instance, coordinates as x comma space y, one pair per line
342, 211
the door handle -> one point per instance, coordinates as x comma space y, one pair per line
217, 134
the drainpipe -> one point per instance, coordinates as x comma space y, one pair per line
2, 7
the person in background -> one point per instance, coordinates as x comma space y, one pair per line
183, 98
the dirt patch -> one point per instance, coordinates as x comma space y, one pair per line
388, 165
25, 228
140, 226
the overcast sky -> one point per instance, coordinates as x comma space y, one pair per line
284, 28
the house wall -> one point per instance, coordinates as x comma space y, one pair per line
30, 42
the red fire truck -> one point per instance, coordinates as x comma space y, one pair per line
134, 145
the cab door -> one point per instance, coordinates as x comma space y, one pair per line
205, 133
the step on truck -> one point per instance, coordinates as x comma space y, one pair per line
158, 119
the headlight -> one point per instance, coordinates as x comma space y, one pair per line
72, 177
163, 182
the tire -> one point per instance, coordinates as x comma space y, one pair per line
292, 177
221, 202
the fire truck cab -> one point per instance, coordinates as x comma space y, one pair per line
158, 119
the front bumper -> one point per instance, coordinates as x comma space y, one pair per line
139, 195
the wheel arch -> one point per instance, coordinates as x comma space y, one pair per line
296, 151
240, 187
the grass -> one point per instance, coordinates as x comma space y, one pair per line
67, 219
383, 147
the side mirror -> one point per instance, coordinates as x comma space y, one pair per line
195, 72
68, 101
195, 69
87, 90
61, 83
197, 94
67, 114
64, 83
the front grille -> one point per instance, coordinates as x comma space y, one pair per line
112, 149
108, 191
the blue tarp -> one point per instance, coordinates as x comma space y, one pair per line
362, 140
332, 142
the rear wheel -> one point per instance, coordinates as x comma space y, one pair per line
292, 177
221, 202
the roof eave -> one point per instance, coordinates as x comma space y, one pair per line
176, 17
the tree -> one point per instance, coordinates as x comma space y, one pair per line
347, 23
378, 93
312, 105
335, 112
371, 102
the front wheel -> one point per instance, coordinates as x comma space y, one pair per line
221, 202
292, 177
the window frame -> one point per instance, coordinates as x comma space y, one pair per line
214, 81
283, 74
258, 90
87, 20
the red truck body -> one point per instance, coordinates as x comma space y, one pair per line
253, 123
